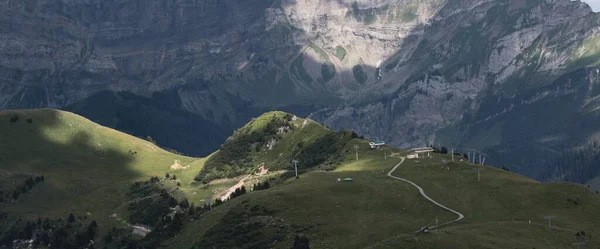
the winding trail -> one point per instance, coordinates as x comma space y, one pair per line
460, 216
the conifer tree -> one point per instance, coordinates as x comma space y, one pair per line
301, 242
71, 218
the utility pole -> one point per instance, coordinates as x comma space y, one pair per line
549, 218
453, 154
478, 173
384, 155
578, 244
436, 224
356, 149
295, 162
481, 154
469, 155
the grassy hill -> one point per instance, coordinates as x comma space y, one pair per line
87, 168
102, 175
504, 210
273, 140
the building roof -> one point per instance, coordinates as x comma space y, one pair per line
422, 149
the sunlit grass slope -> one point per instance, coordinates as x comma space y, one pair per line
376, 211
87, 167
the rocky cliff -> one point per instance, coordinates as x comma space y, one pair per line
515, 78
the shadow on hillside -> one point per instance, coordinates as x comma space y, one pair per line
82, 174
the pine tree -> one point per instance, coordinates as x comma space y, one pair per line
192, 209
28, 231
172, 202
46, 225
184, 203
91, 231
167, 176
301, 242
71, 218
45, 239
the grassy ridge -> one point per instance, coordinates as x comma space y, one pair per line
332, 214
88, 168
273, 140
376, 211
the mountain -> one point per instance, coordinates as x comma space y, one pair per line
66, 182
515, 79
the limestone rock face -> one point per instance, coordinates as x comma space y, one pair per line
458, 72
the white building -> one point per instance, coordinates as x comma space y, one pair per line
420, 153
376, 145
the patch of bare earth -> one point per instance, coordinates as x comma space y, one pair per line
261, 172
177, 166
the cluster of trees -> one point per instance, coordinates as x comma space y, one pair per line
355, 135
25, 188
52, 234
16, 118
261, 185
441, 150
583, 236
166, 228
171, 177
575, 201
149, 202
238, 192
233, 158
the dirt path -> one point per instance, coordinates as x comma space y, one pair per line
460, 216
